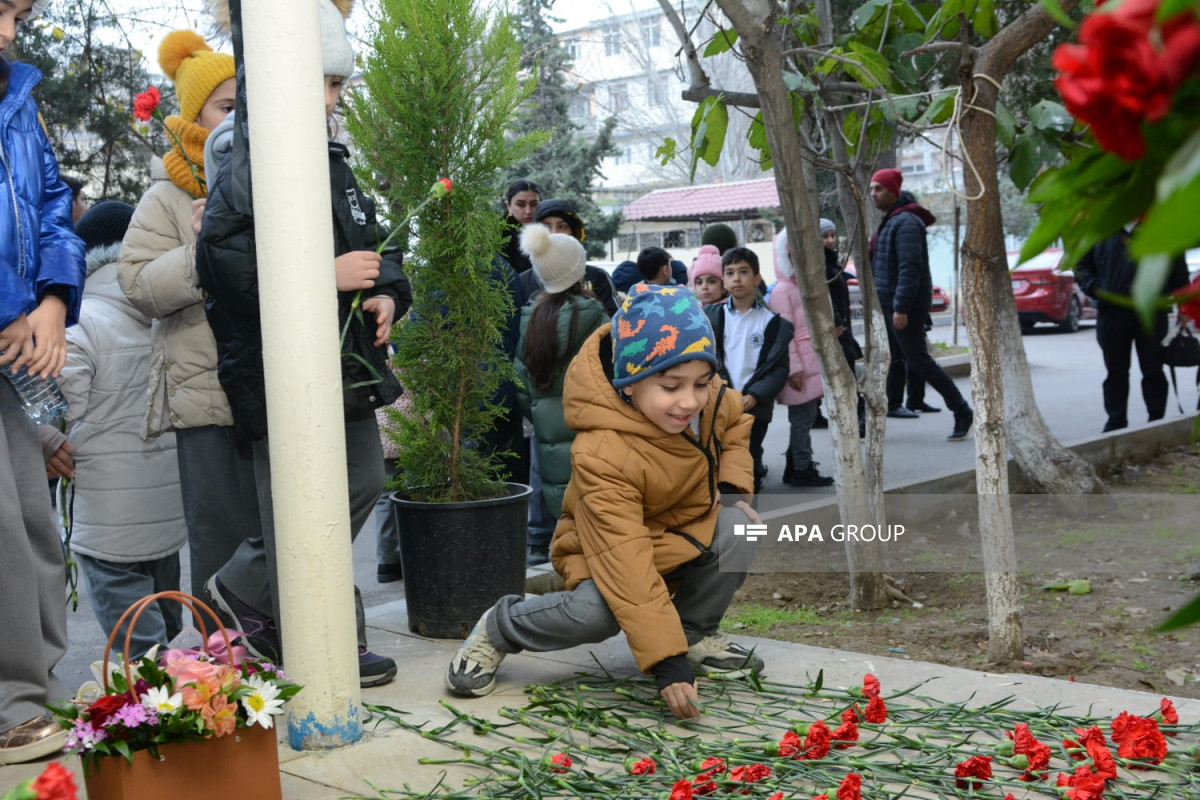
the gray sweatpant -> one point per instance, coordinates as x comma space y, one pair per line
251, 574
33, 610
581, 616
114, 586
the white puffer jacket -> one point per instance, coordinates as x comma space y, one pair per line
127, 505
158, 275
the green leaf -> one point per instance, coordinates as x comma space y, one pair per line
909, 17
1181, 169
1148, 284
798, 82
122, 747
1082, 586
709, 125
757, 137
721, 42
666, 151
1048, 115
1188, 615
865, 14
984, 19
1171, 225
939, 109
1006, 125
905, 108
944, 17
1030, 154
877, 70
1055, 10
819, 682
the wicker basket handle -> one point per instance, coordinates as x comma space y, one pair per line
134, 612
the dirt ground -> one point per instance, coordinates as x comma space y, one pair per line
1105, 636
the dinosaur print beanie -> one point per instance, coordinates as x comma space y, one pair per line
656, 328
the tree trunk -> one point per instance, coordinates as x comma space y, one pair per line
760, 47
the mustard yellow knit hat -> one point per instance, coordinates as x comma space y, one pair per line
195, 69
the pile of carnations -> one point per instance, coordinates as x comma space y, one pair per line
178, 696
614, 738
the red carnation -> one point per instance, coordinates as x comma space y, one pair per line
851, 787
776, 796
1141, 739
644, 767
711, 766
99, 711
561, 762
682, 790
1102, 760
846, 734
752, 773
876, 712
974, 767
850, 714
871, 686
1166, 708
146, 103
1083, 785
817, 742
55, 783
1119, 725
789, 745
1037, 755
702, 785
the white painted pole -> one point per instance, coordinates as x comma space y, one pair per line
298, 302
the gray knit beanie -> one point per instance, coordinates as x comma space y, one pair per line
336, 51
827, 226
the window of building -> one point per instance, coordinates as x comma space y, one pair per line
627, 242
656, 91
612, 41
574, 48
674, 239
650, 32
618, 98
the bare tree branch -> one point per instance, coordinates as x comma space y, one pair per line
698, 79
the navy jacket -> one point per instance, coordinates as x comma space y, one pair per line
900, 257
38, 246
1107, 267
626, 274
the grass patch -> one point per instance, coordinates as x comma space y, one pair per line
759, 620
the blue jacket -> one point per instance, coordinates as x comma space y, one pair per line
900, 257
626, 274
38, 246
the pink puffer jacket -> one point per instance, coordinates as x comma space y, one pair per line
785, 301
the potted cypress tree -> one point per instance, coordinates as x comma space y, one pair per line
441, 91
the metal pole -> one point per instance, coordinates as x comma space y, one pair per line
298, 303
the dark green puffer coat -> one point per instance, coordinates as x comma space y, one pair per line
545, 410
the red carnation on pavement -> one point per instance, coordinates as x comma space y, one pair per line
1142, 740
871, 686
682, 790
1166, 708
851, 714
644, 767
1083, 785
776, 796
817, 742
711, 766
846, 735
55, 783
851, 787
703, 785
751, 773
876, 712
1102, 761
979, 767
1036, 755
561, 762
789, 745
146, 103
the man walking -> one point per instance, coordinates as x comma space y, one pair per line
1108, 269
900, 264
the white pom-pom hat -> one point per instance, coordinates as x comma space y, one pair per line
558, 260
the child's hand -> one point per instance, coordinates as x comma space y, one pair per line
796, 381
384, 309
16, 343
682, 700
198, 214
748, 402
749, 511
357, 270
61, 464
49, 325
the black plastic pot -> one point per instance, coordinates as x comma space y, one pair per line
460, 558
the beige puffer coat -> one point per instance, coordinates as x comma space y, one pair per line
158, 274
634, 488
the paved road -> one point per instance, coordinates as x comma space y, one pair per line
1067, 371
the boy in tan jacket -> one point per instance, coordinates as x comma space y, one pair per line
661, 471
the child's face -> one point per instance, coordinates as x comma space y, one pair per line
218, 105
829, 239
671, 399
708, 289
558, 225
12, 14
333, 90
740, 280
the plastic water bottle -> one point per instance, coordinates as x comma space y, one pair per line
41, 398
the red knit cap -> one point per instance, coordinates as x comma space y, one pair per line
889, 179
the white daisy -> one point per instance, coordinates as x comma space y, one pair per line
262, 703
161, 700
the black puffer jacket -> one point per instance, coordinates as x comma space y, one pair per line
900, 257
771, 370
1107, 267
228, 270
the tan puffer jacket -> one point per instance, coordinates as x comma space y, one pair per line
158, 274
632, 484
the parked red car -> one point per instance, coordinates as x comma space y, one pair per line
1045, 293
939, 303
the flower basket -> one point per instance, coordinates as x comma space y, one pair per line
186, 725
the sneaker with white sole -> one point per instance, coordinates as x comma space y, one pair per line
260, 635
720, 657
33, 739
472, 671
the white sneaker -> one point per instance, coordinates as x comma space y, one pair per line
720, 657
472, 671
